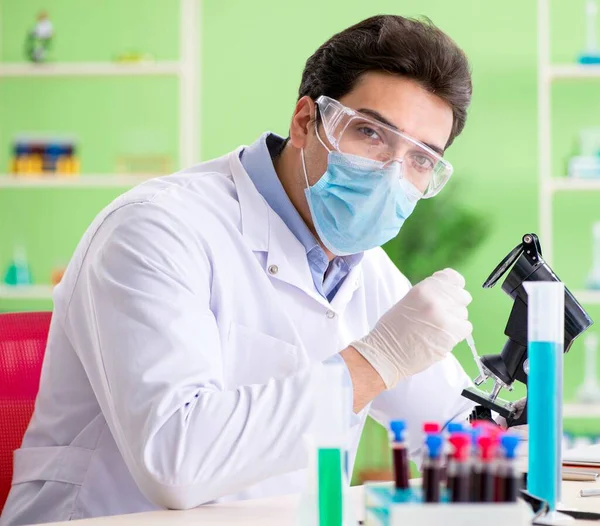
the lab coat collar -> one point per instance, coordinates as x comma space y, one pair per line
352, 282
265, 231
253, 208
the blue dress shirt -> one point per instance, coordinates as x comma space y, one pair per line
257, 160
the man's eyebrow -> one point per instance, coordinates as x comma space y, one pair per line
377, 116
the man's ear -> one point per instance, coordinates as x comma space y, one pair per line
300, 127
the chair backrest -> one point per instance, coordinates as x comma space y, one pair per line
23, 339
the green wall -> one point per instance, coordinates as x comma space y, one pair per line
108, 116
253, 52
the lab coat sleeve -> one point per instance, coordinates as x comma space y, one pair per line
141, 322
433, 395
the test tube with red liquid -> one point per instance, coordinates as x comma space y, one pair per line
459, 469
432, 467
400, 455
483, 469
508, 478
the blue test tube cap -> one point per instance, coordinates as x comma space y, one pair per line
22, 148
54, 149
455, 427
509, 443
398, 427
434, 443
475, 433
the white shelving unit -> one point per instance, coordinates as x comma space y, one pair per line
572, 71
186, 69
549, 73
591, 297
90, 69
570, 184
29, 292
575, 410
80, 181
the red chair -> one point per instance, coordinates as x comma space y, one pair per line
23, 339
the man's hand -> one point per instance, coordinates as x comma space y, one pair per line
521, 430
421, 329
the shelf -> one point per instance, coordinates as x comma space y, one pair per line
26, 292
79, 181
589, 297
89, 69
574, 71
575, 410
571, 184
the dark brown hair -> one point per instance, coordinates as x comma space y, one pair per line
415, 49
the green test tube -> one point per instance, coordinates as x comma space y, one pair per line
330, 481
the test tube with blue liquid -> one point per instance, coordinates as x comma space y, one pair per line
546, 315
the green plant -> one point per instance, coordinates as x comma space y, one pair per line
440, 233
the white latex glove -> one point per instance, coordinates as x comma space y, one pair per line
421, 329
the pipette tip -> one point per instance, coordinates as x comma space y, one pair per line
471, 344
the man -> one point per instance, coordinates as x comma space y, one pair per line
199, 307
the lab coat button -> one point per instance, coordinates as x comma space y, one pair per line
273, 269
330, 314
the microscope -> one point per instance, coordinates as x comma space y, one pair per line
511, 364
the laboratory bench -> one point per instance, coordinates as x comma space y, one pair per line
281, 511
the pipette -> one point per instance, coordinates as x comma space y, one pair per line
471, 344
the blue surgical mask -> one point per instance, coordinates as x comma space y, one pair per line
359, 204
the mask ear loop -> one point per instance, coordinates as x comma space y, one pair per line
320, 140
304, 167
319, 136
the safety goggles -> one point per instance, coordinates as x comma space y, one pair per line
353, 133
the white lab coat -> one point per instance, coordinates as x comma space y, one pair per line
185, 333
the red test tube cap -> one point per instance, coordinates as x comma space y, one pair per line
487, 447
488, 428
431, 427
461, 442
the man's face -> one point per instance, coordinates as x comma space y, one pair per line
396, 101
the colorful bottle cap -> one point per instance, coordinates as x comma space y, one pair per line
487, 447
398, 427
434, 443
479, 423
54, 150
475, 434
488, 428
461, 443
22, 148
455, 427
431, 427
484, 424
509, 443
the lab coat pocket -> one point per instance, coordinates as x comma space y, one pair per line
254, 357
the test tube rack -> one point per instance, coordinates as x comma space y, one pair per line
384, 508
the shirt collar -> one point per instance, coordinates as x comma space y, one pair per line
257, 160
